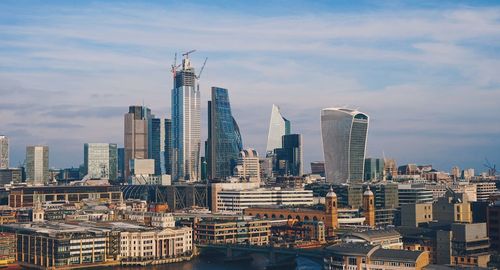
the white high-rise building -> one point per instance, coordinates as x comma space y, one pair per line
186, 125
248, 166
37, 164
278, 126
344, 133
101, 160
4, 152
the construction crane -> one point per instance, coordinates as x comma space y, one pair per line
174, 65
492, 168
201, 69
188, 53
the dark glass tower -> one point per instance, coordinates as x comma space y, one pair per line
289, 157
224, 138
156, 144
167, 152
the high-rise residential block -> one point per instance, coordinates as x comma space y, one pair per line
101, 160
344, 133
37, 164
224, 138
186, 124
137, 136
4, 152
278, 126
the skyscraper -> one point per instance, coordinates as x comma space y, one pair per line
224, 138
278, 126
186, 125
121, 164
37, 164
289, 158
100, 160
137, 132
344, 134
4, 152
167, 150
374, 169
158, 144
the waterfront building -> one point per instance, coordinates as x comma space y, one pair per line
4, 152
386, 238
289, 158
414, 193
416, 214
136, 136
249, 232
248, 165
318, 167
278, 126
358, 256
344, 133
26, 196
238, 200
224, 138
100, 160
186, 124
374, 169
37, 164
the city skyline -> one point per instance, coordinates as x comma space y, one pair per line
430, 86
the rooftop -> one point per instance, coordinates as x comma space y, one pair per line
396, 255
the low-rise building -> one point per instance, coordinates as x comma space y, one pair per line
452, 208
253, 232
470, 245
388, 238
357, 256
412, 215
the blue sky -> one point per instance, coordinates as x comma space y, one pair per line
427, 72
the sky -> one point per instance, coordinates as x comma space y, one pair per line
427, 72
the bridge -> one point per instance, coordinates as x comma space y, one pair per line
278, 256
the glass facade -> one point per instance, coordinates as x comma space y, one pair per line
186, 125
374, 169
289, 160
278, 126
344, 134
224, 138
157, 141
37, 164
137, 137
167, 147
4, 152
101, 160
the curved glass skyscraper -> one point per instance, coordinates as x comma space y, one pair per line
344, 133
278, 126
224, 138
186, 126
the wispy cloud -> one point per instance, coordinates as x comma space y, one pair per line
414, 70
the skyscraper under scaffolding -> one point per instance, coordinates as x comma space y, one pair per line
186, 125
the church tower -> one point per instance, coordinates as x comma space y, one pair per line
369, 207
38, 212
331, 214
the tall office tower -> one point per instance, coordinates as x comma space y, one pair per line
100, 160
167, 149
224, 138
121, 164
4, 152
37, 164
278, 126
289, 159
137, 130
157, 138
374, 169
186, 125
344, 133
318, 167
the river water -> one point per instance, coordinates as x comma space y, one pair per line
259, 262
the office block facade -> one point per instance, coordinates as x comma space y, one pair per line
278, 126
101, 160
289, 158
137, 136
4, 152
37, 164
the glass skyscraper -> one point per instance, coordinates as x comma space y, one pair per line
101, 160
224, 138
186, 125
37, 164
344, 134
278, 126
289, 159
167, 149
